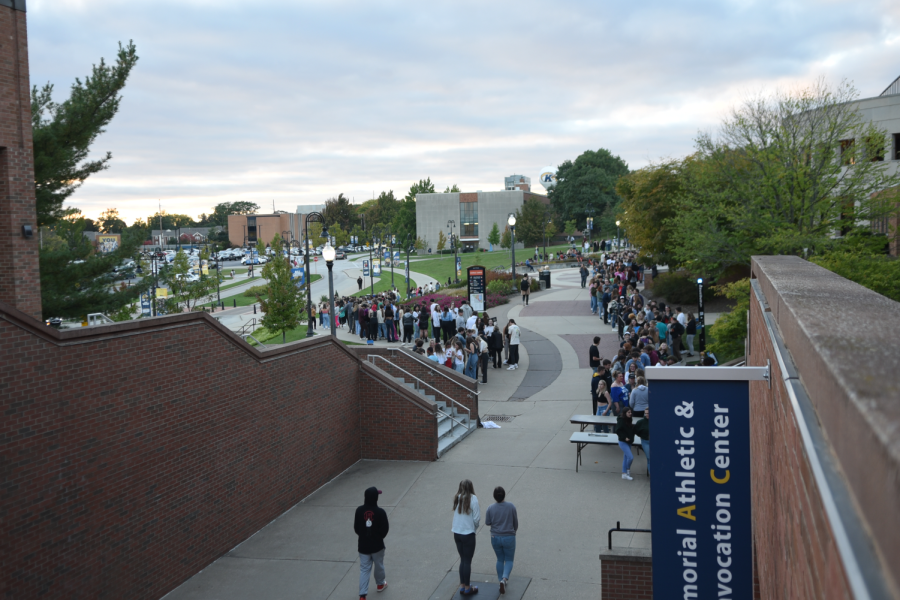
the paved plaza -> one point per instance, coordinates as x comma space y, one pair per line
310, 551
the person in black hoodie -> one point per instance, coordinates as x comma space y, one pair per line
371, 525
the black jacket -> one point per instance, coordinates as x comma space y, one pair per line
371, 537
624, 430
642, 429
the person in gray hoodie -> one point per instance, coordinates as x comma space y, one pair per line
503, 520
640, 397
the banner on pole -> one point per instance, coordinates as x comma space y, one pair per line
700, 489
365, 268
376, 267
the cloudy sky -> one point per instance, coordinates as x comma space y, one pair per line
295, 101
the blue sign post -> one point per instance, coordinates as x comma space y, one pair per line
700, 488
365, 268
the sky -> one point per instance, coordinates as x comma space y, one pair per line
292, 102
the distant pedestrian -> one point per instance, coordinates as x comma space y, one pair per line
359, 282
513, 334
526, 289
371, 525
503, 520
466, 519
625, 431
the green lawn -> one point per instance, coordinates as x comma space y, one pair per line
385, 283
266, 337
243, 300
237, 281
442, 267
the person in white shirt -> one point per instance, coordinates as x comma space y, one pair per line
682, 318
471, 322
436, 320
466, 520
513, 332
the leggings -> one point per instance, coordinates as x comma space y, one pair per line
465, 545
628, 457
407, 334
483, 359
690, 342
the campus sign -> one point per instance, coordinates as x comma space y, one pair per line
476, 287
108, 242
365, 268
700, 489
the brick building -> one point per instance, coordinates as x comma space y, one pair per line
248, 229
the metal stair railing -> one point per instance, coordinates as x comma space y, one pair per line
247, 328
416, 381
434, 371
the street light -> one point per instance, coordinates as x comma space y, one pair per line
618, 241
455, 247
310, 217
700, 315
390, 238
512, 227
328, 254
408, 248
372, 262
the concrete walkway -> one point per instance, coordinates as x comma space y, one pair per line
310, 551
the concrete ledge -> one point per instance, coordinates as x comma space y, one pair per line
644, 555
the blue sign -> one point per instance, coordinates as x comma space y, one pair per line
298, 275
365, 268
145, 304
700, 489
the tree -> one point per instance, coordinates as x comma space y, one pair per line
283, 303
506, 239
570, 227
420, 244
64, 132
787, 174
494, 236
110, 222
442, 242
452, 190
314, 230
530, 220
730, 329
339, 211
75, 280
187, 293
650, 202
549, 230
587, 186
341, 237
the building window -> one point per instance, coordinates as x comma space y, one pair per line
896, 155
468, 219
847, 152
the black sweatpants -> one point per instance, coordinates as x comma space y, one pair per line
483, 363
407, 334
513, 354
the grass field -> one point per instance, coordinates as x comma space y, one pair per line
442, 267
385, 284
242, 300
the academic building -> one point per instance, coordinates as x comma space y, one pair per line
471, 215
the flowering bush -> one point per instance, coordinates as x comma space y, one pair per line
445, 300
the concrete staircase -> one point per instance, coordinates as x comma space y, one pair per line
453, 424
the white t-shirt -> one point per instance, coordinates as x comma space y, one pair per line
682, 318
513, 335
436, 314
470, 324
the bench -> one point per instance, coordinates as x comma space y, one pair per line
582, 440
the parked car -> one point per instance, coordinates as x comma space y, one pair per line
340, 255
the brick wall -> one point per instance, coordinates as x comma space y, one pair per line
395, 424
459, 387
20, 283
795, 552
626, 574
133, 455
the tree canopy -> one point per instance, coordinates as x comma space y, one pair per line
530, 221
587, 186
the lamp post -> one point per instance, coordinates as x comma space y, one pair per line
618, 240
408, 248
372, 263
328, 254
700, 316
511, 220
549, 220
312, 217
390, 238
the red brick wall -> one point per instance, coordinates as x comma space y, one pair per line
795, 552
394, 425
20, 284
133, 455
459, 387
626, 580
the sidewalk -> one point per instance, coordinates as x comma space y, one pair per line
310, 551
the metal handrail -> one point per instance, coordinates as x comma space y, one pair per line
463, 406
619, 528
434, 371
243, 330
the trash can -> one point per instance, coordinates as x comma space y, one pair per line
545, 277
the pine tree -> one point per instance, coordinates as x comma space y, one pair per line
494, 235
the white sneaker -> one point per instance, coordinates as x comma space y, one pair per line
517, 365
505, 362
627, 476
511, 368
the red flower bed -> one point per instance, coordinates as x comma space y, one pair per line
443, 300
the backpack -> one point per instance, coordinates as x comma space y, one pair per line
408, 319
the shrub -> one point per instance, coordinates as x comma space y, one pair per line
256, 290
879, 273
677, 288
490, 300
500, 287
730, 329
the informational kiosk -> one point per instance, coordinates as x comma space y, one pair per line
700, 485
476, 277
